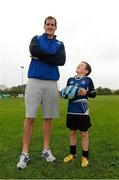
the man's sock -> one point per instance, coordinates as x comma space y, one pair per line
26, 154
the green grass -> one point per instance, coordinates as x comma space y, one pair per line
104, 143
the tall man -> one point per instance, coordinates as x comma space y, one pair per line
47, 53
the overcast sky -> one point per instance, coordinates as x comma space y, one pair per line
88, 28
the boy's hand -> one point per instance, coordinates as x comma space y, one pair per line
82, 92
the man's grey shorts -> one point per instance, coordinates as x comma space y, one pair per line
44, 93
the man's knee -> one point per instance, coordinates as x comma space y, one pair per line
28, 121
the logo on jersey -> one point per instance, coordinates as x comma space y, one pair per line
72, 82
83, 82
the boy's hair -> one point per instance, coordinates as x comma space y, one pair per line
88, 68
51, 17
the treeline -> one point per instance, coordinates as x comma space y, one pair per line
15, 90
106, 91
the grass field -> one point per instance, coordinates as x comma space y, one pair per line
104, 143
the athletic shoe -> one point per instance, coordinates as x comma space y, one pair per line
47, 154
84, 161
23, 161
69, 158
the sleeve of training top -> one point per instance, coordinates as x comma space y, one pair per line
58, 59
91, 91
68, 82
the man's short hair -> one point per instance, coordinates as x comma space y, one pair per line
88, 67
51, 17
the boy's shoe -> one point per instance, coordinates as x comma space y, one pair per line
84, 161
47, 154
23, 161
69, 158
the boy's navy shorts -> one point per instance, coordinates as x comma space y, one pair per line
78, 122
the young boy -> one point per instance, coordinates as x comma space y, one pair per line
78, 112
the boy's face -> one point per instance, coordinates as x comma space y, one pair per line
81, 69
50, 27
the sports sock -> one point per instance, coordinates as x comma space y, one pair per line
26, 154
85, 154
46, 150
73, 149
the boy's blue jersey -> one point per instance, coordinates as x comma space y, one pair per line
79, 105
38, 67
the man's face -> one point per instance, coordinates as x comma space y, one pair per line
50, 27
81, 69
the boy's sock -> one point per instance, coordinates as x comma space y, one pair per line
85, 154
73, 149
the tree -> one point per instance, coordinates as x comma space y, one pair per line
103, 91
116, 92
99, 91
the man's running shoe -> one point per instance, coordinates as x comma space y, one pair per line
47, 154
23, 161
69, 158
84, 161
